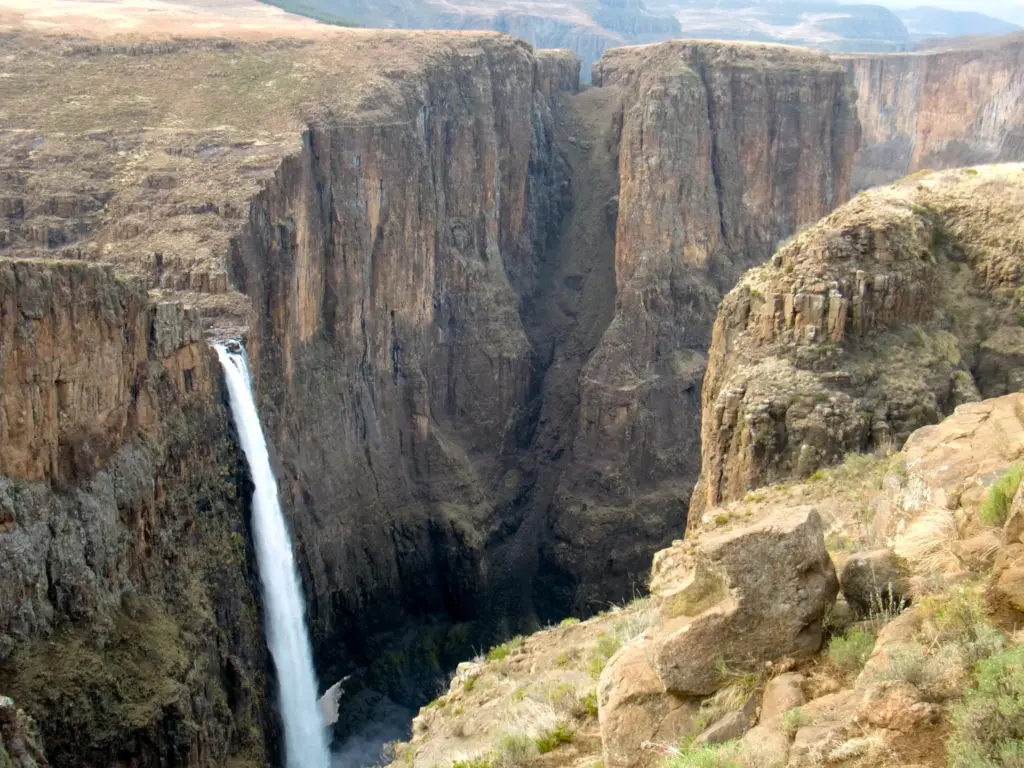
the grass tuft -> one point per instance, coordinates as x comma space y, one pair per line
996, 507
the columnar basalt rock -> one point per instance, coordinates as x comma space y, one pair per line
939, 108
878, 320
128, 622
724, 150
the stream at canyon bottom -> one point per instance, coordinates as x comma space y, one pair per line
284, 622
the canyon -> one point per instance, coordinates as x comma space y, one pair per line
479, 300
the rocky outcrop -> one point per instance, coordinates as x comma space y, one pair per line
728, 602
723, 151
128, 624
20, 745
938, 109
878, 320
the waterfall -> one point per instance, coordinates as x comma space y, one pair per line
304, 734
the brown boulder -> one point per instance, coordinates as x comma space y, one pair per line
875, 582
781, 694
634, 711
749, 596
896, 705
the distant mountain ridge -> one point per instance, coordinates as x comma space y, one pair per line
926, 22
589, 28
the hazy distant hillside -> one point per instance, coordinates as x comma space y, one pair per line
926, 22
589, 28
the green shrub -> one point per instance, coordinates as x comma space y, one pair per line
793, 720
707, 756
852, 650
553, 738
568, 621
988, 724
996, 507
480, 761
958, 618
606, 647
589, 704
499, 652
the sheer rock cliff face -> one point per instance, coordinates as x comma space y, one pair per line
724, 150
880, 319
938, 109
128, 624
386, 263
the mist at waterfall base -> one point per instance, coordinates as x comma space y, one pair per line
305, 737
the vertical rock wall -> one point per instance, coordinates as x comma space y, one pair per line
128, 624
387, 263
724, 151
938, 109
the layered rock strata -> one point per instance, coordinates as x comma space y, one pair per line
723, 151
880, 319
938, 109
129, 626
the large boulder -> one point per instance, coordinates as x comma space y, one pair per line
635, 712
745, 597
875, 582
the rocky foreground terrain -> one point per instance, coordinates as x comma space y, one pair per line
479, 303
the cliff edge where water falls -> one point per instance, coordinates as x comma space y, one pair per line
436, 250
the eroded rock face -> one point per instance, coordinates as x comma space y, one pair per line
20, 745
700, 200
938, 109
128, 623
874, 322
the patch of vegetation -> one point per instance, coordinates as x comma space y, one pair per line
793, 720
706, 756
852, 650
568, 621
723, 702
499, 652
958, 619
470, 683
553, 738
606, 647
722, 519
988, 724
996, 507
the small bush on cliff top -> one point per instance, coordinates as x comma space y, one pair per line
707, 756
606, 647
996, 507
988, 725
852, 650
499, 652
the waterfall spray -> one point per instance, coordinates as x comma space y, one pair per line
304, 735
